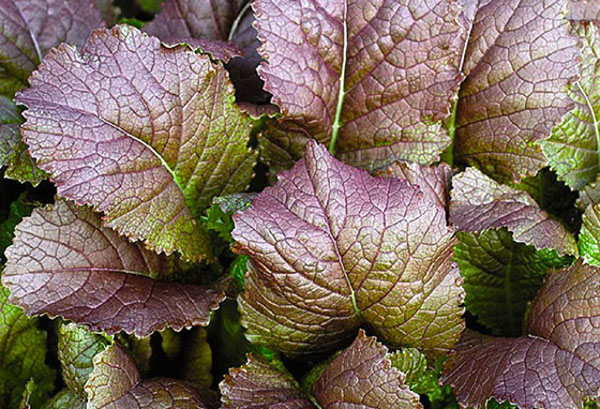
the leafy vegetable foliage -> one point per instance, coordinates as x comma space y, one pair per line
77, 347
573, 148
115, 383
223, 28
29, 28
332, 247
479, 203
518, 58
434, 181
63, 262
360, 376
147, 134
555, 365
501, 277
380, 76
13, 152
22, 357
152, 143
589, 238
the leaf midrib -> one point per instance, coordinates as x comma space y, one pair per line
164, 163
590, 106
337, 121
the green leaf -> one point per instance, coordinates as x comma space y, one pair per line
115, 383
150, 6
411, 362
140, 349
553, 196
13, 151
589, 237
76, 349
501, 277
220, 222
422, 379
493, 404
22, 356
230, 346
64, 399
170, 343
573, 150
197, 360
237, 270
18, 209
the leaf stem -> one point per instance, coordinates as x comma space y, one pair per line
238, 20
594, 118
342, 92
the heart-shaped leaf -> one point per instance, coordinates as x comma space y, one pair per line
333, 248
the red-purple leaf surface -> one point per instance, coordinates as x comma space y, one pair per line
260, 384
433, 181
556, 365
478, 203
29, 28
583, 10
147, 134
64, 263
200, 19
223, 28
361, 376
382, 73
333, 248
115, 384
519, 58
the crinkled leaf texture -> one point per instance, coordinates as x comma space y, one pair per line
29, 28
115, 384
478, 203
382, 73
76, 349
519, 58
589, 237
64, 263
147, 134
556, 365
22, 356
223, 28
501, 277
359, 377
13, 151
584, 10
333, 248
195, 20
64, 399
434, 181
573, 150
590, 194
